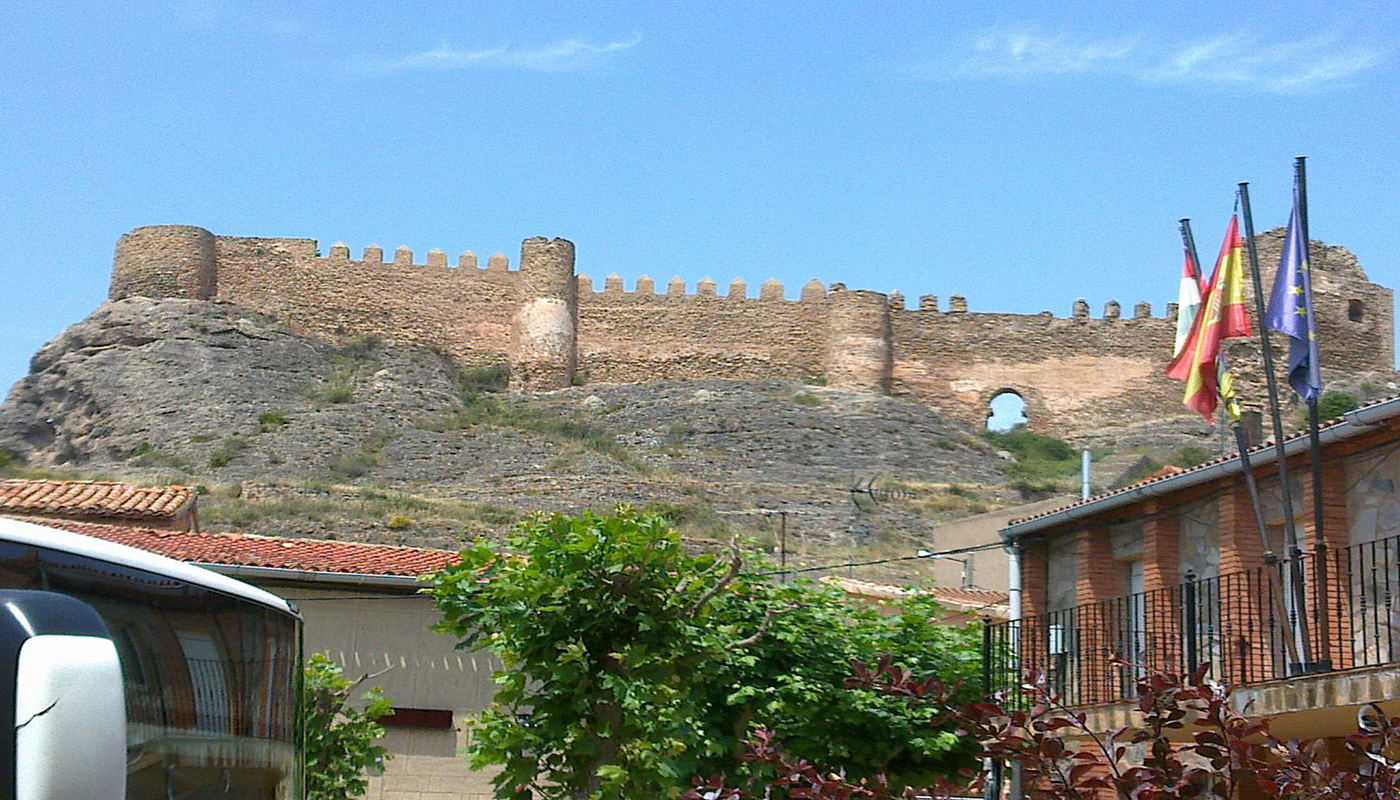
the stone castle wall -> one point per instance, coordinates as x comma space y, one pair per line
627, 337
1076, 373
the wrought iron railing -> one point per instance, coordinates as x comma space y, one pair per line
1317, 612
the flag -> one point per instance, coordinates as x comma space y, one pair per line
1223, 316
1188, 299
1291, 310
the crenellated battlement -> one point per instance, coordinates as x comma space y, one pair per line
1076, 370
644, 289
372, 254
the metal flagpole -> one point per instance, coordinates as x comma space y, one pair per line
1290, 531
1300, 178
1240, 443
1300, 171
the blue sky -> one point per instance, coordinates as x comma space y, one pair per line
1020, 156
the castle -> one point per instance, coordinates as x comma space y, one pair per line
1076, 374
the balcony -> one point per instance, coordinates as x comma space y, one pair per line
1316, 614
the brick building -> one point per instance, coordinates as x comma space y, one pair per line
1173, 572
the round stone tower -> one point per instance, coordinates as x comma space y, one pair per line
859, 353
543, 336
165, 261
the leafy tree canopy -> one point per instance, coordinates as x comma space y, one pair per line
631, 665
340, 746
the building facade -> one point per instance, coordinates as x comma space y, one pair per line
1176, 572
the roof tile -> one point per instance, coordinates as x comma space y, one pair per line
988, 601
247, 550
93, 498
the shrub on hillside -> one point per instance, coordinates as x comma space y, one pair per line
1335, 403
1042, 462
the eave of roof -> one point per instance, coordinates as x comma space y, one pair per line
1352, 424
276, 557
69, 538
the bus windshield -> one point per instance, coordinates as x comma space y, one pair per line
211, 680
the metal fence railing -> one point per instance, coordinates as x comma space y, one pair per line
1317, 612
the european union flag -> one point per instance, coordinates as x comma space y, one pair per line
1291, 310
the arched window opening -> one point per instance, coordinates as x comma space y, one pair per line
1356, 310
1006, 411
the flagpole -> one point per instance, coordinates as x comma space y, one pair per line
1240, 443
1290, 531
1300, 171
1300, 176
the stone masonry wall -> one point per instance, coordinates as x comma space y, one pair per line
1072, 373
1077, 374
464, 311
628, 337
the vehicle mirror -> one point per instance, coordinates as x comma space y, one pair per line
61, 692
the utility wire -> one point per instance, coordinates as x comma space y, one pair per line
414, 596
844, 565
848, 564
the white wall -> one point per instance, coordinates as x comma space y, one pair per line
420, 669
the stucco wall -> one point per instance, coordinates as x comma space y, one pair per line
1061, 572
388, 637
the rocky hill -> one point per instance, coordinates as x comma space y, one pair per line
297, 436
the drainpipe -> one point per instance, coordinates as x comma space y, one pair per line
1013, 593
1013, 580
1085, 460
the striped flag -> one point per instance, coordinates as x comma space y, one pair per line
1223, 316
1188, 300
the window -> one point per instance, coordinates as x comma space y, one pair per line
429, 718
1356, 310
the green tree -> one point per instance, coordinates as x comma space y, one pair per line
340, 746
631, 665
790, 681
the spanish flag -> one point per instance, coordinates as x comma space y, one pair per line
1222, 316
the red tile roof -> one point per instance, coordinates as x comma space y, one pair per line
980, 601
320, 555
93, 499
1165, 472
247, 550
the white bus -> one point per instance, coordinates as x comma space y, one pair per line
132, 675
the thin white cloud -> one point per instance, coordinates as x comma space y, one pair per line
1280, 67
561, 56
1023, 52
